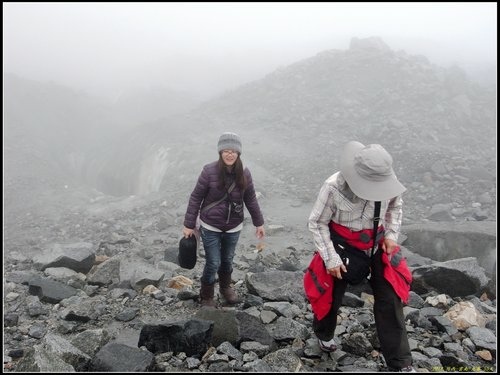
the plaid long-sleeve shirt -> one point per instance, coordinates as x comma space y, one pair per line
338, 203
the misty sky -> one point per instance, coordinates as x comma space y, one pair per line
208, 47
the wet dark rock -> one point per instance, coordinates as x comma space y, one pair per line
49, 290
192, 336
122, 358
76, 256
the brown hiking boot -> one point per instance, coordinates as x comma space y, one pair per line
225, 289
207, 295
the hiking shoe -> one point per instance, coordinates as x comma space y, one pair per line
327, 346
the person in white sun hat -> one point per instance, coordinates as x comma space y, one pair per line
342, 223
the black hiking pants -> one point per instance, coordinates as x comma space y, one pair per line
388, 311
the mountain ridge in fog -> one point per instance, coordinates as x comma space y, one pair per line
301, 115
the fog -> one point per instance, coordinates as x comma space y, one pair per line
206, 48
111, 110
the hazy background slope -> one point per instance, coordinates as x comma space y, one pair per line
437, 123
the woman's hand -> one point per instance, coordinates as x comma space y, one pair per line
260, 232
388, 246
187, 232
337, 271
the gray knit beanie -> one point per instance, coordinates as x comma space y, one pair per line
229, 141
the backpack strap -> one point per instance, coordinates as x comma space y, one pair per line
231, 188
213, 204
376, 219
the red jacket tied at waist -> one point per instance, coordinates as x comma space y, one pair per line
396, 270
318, 286
361, 239
397, 273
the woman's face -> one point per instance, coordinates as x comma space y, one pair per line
229, 157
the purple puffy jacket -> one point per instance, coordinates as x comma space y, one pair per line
207, 191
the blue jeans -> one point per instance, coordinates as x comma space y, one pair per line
219, 253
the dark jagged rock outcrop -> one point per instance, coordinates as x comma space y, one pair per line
191, 337
115, 357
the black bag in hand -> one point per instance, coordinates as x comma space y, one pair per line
187, 252
356, 261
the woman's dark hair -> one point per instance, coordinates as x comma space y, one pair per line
240, 178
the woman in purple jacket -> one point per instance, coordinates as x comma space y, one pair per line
222, 189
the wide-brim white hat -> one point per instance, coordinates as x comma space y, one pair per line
368, 171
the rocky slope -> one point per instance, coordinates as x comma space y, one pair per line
66, 182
